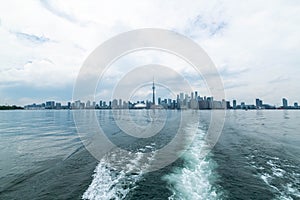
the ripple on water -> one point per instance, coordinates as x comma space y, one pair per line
278, 175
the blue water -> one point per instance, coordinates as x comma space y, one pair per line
256, 157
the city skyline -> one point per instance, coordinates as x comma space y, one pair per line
182, 98
183, 101
165, 103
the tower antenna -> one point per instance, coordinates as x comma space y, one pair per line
153, 92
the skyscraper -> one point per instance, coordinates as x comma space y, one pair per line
284, 103
153, 93
159, 100
234, 104
181, 97
258, 103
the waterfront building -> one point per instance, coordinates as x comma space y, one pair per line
296, 105
234, 104
50, 105
258, 103
58, 106
88, 104
159, 100
284, 103
114, 104
196, 95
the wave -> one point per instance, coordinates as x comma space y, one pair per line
116, 174
279, 175
196, 179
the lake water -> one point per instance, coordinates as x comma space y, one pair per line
256, 157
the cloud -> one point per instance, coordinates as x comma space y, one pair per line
32, 38
50, 6
36, 74
56, 10
201, 26
234, 85
279, 79
226, 72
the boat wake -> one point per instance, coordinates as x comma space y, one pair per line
116, 174
195, 180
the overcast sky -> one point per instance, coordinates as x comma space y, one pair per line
255, 45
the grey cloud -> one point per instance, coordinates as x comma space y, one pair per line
226, 73
234, 85
50, 7
279, 79
213, 27
199, 24
31, 38
55, 10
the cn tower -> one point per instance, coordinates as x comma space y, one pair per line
153, 93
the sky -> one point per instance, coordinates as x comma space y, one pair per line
255, 45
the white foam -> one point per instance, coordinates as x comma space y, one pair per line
115, 175
195, 179
276, 174
292, 190
265, 177
106, 184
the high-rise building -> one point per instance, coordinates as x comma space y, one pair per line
82, 105
194, 104
296, 105
120, 103
234, 104
114, 104
243, 105
125, 105
181, 96
153, 93
77, 104
228, 105
196, 94
258, 103
88, 104
210, 101
284, 103
58, 106
50, 105
174, 104
159, 100
169, 102
224, 104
